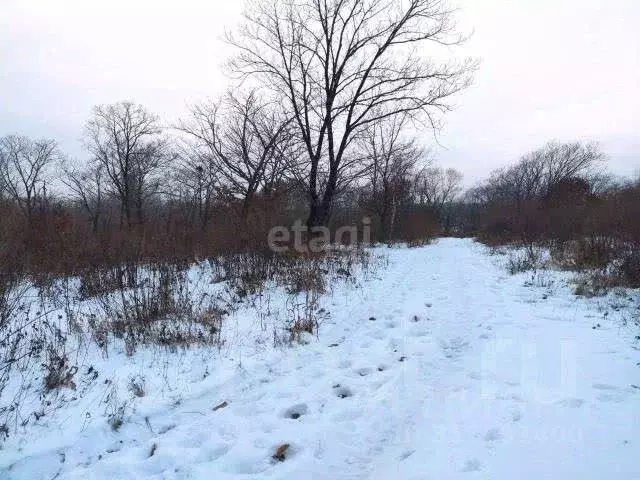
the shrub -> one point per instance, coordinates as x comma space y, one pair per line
160, 309
629, 269
98, 281
137, 386
584, 253
115, 409
524, 260
305, 277
59, 372
301, 325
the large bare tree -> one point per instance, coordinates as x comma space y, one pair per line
126, 141
342, 65
23, 169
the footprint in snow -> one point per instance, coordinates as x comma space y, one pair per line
394, 344
516, 416
571, 402
342, 392
421, 332
378, 335
217, 452
344, 364
406, 454
472, 465
296, 411
493, 435
454, 347
475, 376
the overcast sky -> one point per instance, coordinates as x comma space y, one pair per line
551, 69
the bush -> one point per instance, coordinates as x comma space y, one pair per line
96, 282
629, 269
585, 253
159, 309
137, 386
305, 277
59, 372
523, 260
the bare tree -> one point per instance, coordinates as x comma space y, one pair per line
342, 65
87, 189
245, 138
438, 188
540, 172
392, 158
127, 142
517, 200
197, 180
563, 161
23, 169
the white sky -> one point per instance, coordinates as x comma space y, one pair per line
552, 69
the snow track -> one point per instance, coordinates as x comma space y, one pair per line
443, 367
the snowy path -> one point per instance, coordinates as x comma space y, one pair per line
444, 367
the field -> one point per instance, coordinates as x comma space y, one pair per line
429, 362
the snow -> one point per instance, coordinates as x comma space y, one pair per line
442, 366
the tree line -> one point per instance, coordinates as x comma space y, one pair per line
561, 197
323, 124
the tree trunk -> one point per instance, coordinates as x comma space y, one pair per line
320, 212
392, 220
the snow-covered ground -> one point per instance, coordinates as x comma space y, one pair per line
443, 366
